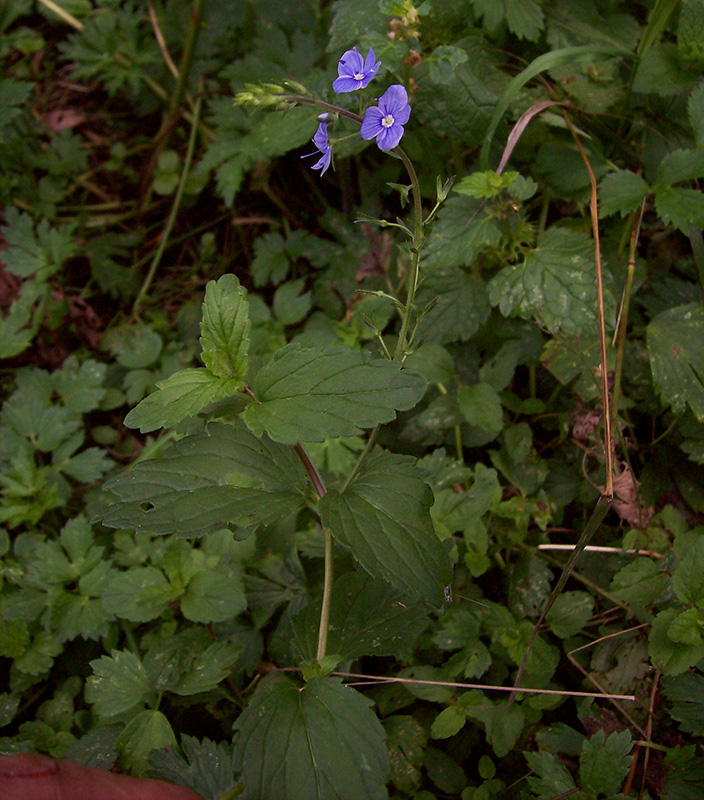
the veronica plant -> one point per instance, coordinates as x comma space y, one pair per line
244, 464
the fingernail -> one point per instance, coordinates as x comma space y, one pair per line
26, 765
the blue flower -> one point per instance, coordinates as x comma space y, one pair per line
355, 73
320, 140
385, 122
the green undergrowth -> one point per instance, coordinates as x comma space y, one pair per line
289, 463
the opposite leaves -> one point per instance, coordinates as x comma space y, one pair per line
384, 518
224, 476
308, 394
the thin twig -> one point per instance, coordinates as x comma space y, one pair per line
161, 41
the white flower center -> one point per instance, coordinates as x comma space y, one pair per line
358, 76
387, 121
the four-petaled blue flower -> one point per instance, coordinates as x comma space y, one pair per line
385, 122
320, 140
354, 72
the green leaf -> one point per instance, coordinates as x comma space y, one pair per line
213, 597
481, 406
639, 583
604, 763
688, 627
462, 306
19, 326
551, 777
224, 476
670, 656
140, 594
686, 693
503, 725
433, 362
136, 347
367, 617
13, 95
383, 516
690, 30
448, 722
621, 192
688, 576
119, 683
318, 741
676, 349
444, 772
180, 396
524, 19
225, 329
556, 284
459, 234
306, 394
40, 253
148, 731
290, 303
695, 107
681, 165
208, 768
684, 208
570, 613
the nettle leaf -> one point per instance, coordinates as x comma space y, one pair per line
180, 396
621, 192
119, 683
318, 741
384, 518
367, 617
676, 349
686, 693
604, 763
306, 394
556, 284
683, 208
461, 306
223, 476
225, 328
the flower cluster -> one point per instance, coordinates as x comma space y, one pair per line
383, 122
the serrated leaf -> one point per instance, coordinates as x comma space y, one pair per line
695, 108
213, 597
291, 304
366, 618
556, 284
462, 306
570, 613
553, 777
459, 234
306, 394
688, 576
13, 95
684, 208
40, 253
686, 693
318, 741
384, 518
672, 657
119, 683
148, 731
224, 476
180, 396
681, 165
448, 722
688, 627
676, 350
225, 329
208, 768
140, 594
621, 192
480, 405
604, 763
639, 583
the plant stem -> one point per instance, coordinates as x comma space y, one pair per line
174, 210
320, 490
